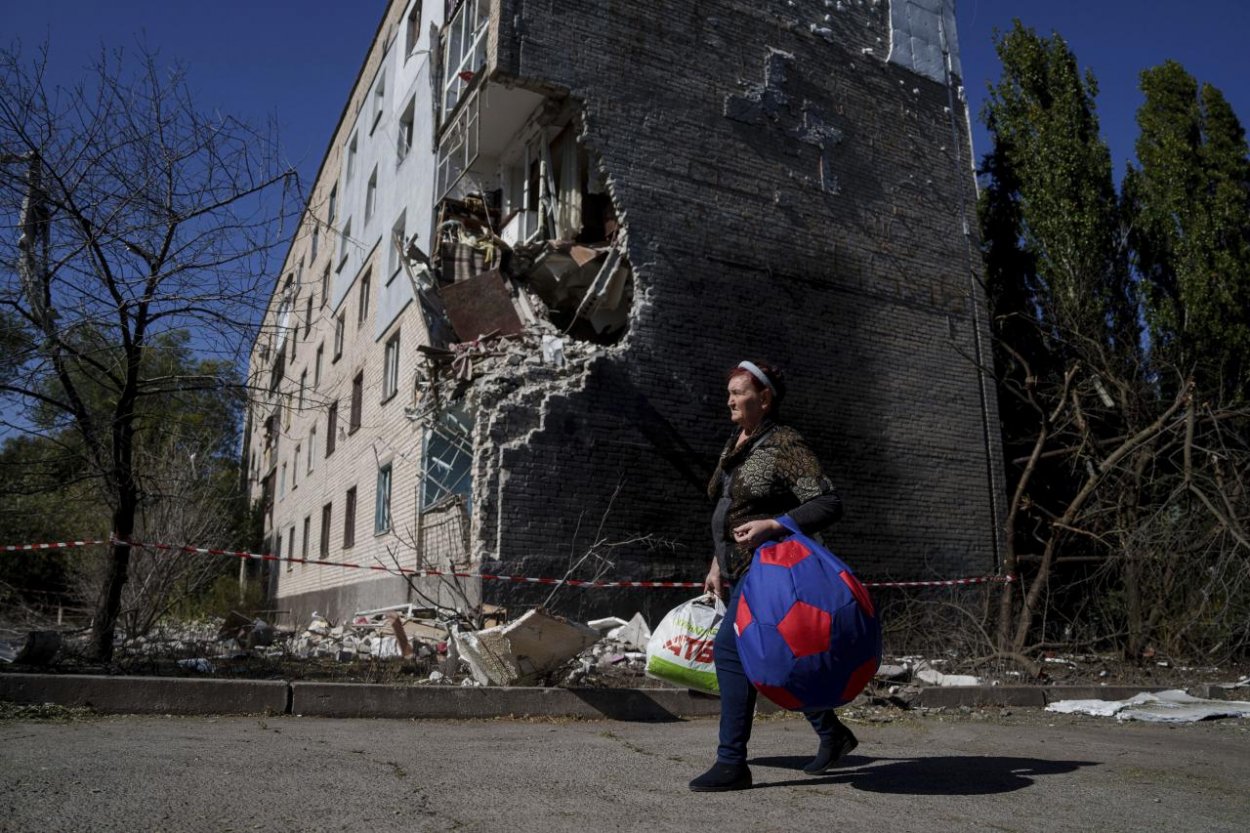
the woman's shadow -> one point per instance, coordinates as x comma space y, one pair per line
938, 775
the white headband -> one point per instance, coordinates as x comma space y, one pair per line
750, 367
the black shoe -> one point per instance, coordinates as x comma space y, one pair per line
830, 752
722, 778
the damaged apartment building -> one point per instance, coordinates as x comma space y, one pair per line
542, 234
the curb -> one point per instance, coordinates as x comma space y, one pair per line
1021, 695
148, 695
356, 700
194, 696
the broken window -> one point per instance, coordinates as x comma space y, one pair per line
390, 371
412, 28
379, 103
346, 236
339, 327
458, 149
464, 50
325, 286
332, 427
307, 534
407, 129
349, 519
365, 286
398, 232
371, 194
358, 389
382, 510
321, 351
308, 315
446, 459
326, 515
312, 247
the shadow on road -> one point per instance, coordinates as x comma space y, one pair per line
939, 775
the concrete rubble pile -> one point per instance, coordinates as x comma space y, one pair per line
386, 634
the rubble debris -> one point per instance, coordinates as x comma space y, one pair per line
634, 633
1173, 706
925, 672
522, 652
481, 306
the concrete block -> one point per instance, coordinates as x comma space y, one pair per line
353, 700
147, 695
979, 695
1096, 692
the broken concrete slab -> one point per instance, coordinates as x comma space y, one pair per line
522, 651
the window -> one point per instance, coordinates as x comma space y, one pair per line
390, 371
382, 512
358, 390
295, 468
332, 427
278, 549
446, 457
458, 149
312, 247
339, 326
325, 286
308, 315
347, 234
379, 102
326, 514
312, 448
351, 159
334, 205
407, 130
399, 231
412, 29
371, 194
366, 284
290, 550
464, 50
282, 483
303, 385
349, 519
303, 553
321, 352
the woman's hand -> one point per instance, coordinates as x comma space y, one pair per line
753, 533
714, 584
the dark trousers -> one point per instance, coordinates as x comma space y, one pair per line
737, 696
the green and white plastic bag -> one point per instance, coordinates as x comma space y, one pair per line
680, 649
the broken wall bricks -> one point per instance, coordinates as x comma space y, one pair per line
848, 265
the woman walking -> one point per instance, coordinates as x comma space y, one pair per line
766, 470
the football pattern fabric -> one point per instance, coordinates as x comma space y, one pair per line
808, 634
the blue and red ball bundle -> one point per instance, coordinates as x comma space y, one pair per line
808, 635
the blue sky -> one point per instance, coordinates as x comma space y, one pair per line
296, 61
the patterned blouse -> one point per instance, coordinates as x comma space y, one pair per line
773, 474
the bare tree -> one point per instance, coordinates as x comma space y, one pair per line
137, 215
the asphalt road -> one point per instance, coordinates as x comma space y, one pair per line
1024, 772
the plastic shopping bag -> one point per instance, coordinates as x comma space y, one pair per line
680, 649
808, 634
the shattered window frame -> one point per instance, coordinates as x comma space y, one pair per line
464, 50
327, 516
382, 504
459, 148
447, 459
349, 519
390, 368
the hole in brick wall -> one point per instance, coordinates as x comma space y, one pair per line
527, 235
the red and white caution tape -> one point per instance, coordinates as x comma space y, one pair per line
950, 582
422, 573
59, 545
